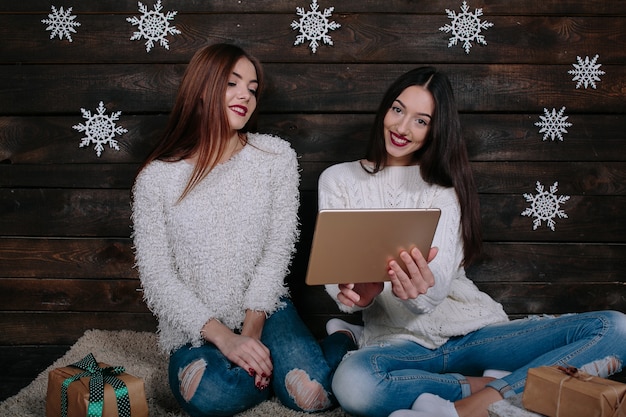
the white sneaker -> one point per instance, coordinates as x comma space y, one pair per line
496, 373
432, 405
335, 325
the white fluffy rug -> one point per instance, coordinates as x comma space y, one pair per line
138, 353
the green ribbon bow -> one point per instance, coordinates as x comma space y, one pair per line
99, 377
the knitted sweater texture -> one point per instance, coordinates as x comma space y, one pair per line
454, 306
225, 248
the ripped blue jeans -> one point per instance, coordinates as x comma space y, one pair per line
303, 371
379, 379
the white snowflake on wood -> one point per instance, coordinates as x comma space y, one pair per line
466, 27
554, 124
586, 72
153, 26
545, 206
100, 129
61, 22
314, 26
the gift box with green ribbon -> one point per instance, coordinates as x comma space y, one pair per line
92, 389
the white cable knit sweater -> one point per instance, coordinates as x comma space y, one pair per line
453, 306
226, 247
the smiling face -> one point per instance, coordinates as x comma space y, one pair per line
406, 125
241, 94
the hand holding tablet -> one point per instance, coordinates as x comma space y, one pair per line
354, 246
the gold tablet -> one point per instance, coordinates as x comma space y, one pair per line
352, 246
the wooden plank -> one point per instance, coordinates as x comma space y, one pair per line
76, 295
112, 259
529, 262
549, 298
52, 212
320, 87
21, 364
588, 178
68, 258
316, 137
595, 219
533, 263
544, 262
29, 358
106, 213
518, 299
590, 219
498, 137
494, 7
580, 178
117, 176
33, 140
363, 37
64, 328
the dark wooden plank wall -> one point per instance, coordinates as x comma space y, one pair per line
66, 261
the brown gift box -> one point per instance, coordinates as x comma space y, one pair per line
78, 394
555, 391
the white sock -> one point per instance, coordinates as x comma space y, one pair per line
412, 413
496, 373
335, 325
405, 413
433, 405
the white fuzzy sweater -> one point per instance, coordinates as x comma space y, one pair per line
453, 306
226, 247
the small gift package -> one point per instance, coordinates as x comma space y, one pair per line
556, 391
92, 389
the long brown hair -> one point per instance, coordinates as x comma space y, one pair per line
198, 124
443, 159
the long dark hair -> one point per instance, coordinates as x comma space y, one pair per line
198, 124
443, 159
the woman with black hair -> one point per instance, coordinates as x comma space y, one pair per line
433, 344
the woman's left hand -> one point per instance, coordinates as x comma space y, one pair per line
417, 278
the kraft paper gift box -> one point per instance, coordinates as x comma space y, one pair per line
556, 391
94, 389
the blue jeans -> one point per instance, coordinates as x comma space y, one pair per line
226, 389
379, 379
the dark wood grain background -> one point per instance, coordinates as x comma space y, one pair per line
66, 259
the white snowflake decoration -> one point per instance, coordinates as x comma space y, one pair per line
466, 27
153, 26
545, 206
314, 26
61, 23
554, 124
586, 72
100, 129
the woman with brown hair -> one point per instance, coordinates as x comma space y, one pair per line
215, 225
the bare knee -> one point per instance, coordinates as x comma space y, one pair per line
308, 394
603, 367
189, 378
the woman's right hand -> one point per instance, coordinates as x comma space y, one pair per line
417, 278
244, 351
361, 294
418, 281
250, 354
